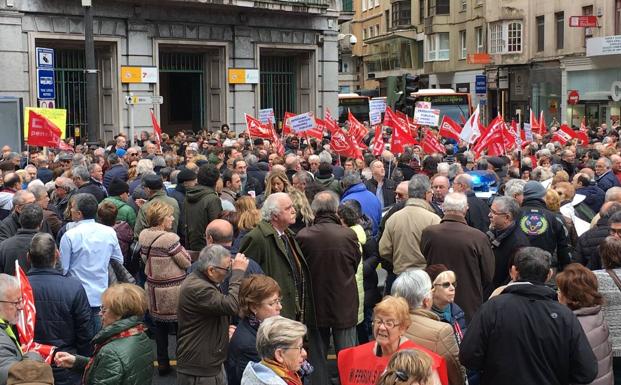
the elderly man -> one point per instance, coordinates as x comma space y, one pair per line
426, 329
604, 177
514, 188
63, 312
117, 170
82, 179
595, 196
333, 255
462, 249
86, 250
353, 188
154, 188
10, 224
16, 247
64, 188
11, 184
400, 241
478, 211
505, 236
525, 322
203, 315
51, 222
248, 183
401, 196
10, 306
440, 186
568, 159
380, 186
202, 205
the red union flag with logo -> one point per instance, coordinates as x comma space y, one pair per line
42, 131
27, 318
357, 130
157, 130
257, 129
449, 128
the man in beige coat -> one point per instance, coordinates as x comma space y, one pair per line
426, 329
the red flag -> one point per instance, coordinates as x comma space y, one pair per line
157, 130
280, 149
492, 135
378, 141
357, 130
509, 135
64, 146
400, 132
583, 126
317, 132
449, 128
258, 130
27, 318
42, 131
342, 144
430, 144
496, 149
543, 128
564, 134
534, 124
286, 127
582, 136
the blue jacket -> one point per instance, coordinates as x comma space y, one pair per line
45, 174
370, 204
607, 180
117, 171
63, 316
595, 196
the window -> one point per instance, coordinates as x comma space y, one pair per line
438, 46
364, 5
462, 45
514, 40
401, 13
496, 43
540, 33
439, 7
478, 31
421, 11
618, 17
505, 37
463, 5
559, 19
588, 32
377, 30
364, 33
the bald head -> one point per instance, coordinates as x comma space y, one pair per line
219, 232
401, 192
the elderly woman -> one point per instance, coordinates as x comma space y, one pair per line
259, 299
577, 289
408, 367
123, 354
166, 262
391, 319
444, 284
280, 346
609, 283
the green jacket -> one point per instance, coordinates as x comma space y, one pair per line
123, 361
141, 220
124, 211
202, 205
265, 246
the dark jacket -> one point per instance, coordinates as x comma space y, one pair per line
329, 183
63, 316
259, 175
505, 243
203, 315
202, 205
407, 171
388, 190
468, 253
15, 249
9, 226
242, 349
587, 247
546, 231
523, 336
333, 255
569, 167
178, 194
91, 188
595, 197
117, 171
252, 184
265, 246
45, 174
478, 212
121, 361
607, 180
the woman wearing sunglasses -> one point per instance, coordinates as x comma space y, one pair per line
444, 286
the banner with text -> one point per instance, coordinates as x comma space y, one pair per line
427, 117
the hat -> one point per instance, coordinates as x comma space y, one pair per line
435, 270
534, 190
325, 169
30, 372
258, 141
117, 187
152, 182
185, 175
120, 152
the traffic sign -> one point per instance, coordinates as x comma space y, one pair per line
131, 74
132, 100
45, 57
583, 21
480, 85
573, 97
45, 84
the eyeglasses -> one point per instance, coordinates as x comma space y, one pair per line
299, 348
494, 212
277, 301
132, 154
227, 269
17, 303
616, 232
446, 285
389, 324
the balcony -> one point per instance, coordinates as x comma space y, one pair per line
297, 6
346, 10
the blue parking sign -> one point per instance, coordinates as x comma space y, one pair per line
45, 84
480, 84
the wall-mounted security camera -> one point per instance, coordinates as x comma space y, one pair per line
353, 40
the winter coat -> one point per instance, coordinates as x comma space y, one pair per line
63, 317
256, 373
329, 183
254, 172
596, 330
166, 262
429, 332
611, 307
524, 336
15, 248
141, 219
122, 361
45, 174
607, 180
116, 171
9, 226
124, 211
477, 215
467, 252
178, 194
202, 205
370, 204
242, 350
505, 244
595, 197
587, 247
10, 353
333, 255
400, 242
388, 190
264, 246
93, 188
362, 240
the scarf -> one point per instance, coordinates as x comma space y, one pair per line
253, 321
9, 331
124, 334
289, 376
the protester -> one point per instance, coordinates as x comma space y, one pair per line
16, 247
444, 286
202, 205
118, 191
411, 367
154, 188
10, 224
353, 188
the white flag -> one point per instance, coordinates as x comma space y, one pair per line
471, 130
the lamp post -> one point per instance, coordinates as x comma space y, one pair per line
92, 102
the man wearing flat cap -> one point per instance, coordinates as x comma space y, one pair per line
118, 191
154, 188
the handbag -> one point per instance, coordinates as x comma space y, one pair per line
614, 277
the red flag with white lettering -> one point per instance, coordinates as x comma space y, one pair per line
357, 130
316, 132
378, 141
257, 129
493, 134
430, 144
286, 127
42, 131
449, 128
564, 134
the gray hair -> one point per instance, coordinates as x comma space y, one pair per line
19, 198
79, 160
316, 157
514, 187
278, 332
39, 191
533, 264
540, 174
30, 166
455, 202
304, 176
82, 173
464, 179
325, 202
159, 161
144, 166
418, 186
251, 159
8, 282
613, 194
455, 169
211, 255
443, 168
351, 179
414, 286
325, 156
544, 152
271, 207
42, 250
606, 161
508, 205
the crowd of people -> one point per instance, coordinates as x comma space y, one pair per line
262, 264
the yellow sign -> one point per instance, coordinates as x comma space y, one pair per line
243, 76
58, 116
138, 74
